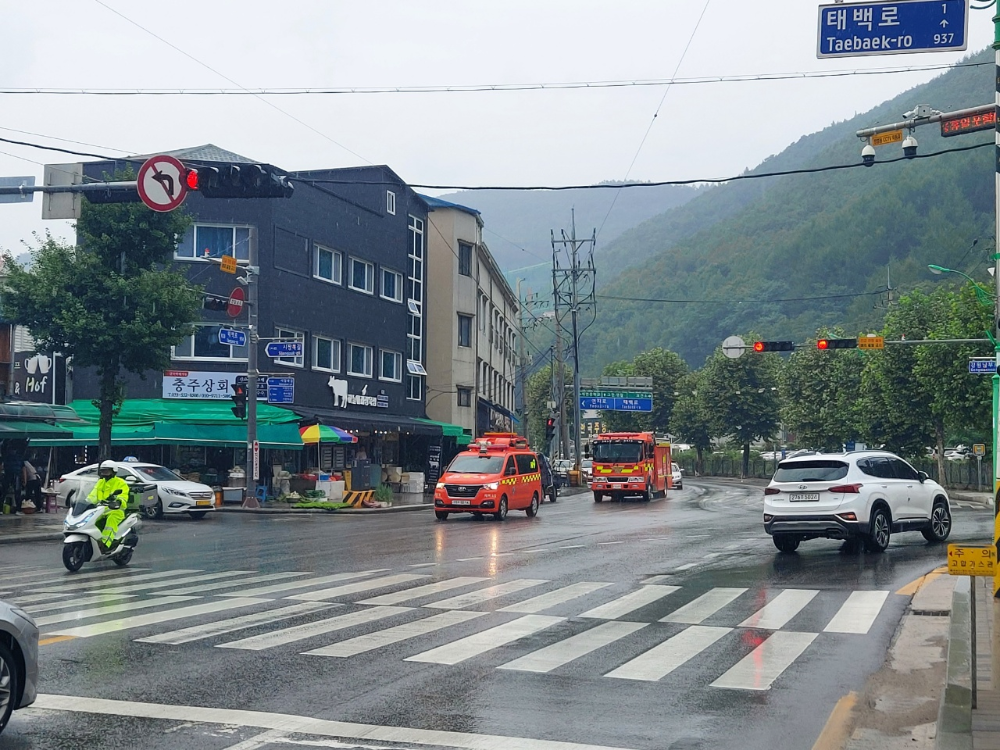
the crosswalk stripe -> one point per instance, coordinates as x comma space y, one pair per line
630, 602
484, 595
545, 601
563, 652
704, 606
380, 638
661, 660
310, 629
354, 588
858, 613
22, 577
83, 614
277, 588
487, 640
76, 585
25, 601
149, 585
420, 591
777, 612
154, 618
198, 632
202, 588
99, 599
762, 666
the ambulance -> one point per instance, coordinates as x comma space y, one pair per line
498, 473
630, 463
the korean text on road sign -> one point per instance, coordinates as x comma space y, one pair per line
966, 560
228, 264
871, 342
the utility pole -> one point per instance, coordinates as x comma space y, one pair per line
996, 321
560, 381
522, 363
253, 341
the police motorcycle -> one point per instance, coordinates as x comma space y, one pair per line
83, 531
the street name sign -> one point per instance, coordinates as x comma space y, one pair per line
161, 183
618, 402
871, 342
284, 349
231, 337
892, 28
281, 390
982, 366
970, 560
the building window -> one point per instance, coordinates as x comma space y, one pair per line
415, 298
465, 258
326, 354
465, 330
329, 264
204, 344
391, 366
392, 285
362, 276
288, 334
390, 202
464, 396
414, 388
203, 241
359, 360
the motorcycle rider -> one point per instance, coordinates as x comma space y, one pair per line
103, 492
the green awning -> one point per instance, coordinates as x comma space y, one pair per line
139, 412
447, 428
463, 439
165, 433
30, 430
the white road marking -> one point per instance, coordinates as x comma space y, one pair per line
424, 565
467, 559
562, 652
661, 660
487, 640
98, 599
304, 583
777, 612
259, 741
23, 601
431, 588
704, 606
308, 630
359, 586
762, 666
630, 602
380, 638
686, 566
559, 596
858, 613
710, 555
154, 618
146, 585
570, 546
600, 544
83, 614
107, 582
483, 595
197, 632
14, 579
202, 588
302, 724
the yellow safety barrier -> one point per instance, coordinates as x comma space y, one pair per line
355, 499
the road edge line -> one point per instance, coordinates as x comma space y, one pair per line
837, 728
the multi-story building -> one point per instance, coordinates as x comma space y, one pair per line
471, 323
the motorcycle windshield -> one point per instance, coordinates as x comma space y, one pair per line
82, 506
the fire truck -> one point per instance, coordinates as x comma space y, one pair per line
630, 463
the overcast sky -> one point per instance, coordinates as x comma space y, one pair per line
485, 138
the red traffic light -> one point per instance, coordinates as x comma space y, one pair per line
822, 344
758, 346
774, 346
192, 179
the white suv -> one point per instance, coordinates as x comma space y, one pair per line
867, 495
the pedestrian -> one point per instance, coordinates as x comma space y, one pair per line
32, 484
13, 465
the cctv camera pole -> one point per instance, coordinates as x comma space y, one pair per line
253, 340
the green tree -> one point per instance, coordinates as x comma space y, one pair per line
539, 393
666, 368
741, 396
620, 421
109, 303
690, 419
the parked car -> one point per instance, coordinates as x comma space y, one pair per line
865, 496
550, 483
587, 469
175, 495
18, 660
677, 476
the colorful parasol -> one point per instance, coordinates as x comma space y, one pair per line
321, 433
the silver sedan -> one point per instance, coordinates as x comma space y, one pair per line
18, 660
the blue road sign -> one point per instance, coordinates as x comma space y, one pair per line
261, 385
284, 349
280, 390
229, 336
887, 28
982, 366
617, 404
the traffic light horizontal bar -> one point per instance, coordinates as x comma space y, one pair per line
87, 187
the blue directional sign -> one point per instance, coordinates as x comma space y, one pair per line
982, 366
284, 349
281, 390
261, 385
616, 404
887, 28
229, 336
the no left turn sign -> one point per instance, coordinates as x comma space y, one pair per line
161, 183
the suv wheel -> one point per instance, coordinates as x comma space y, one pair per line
9, 684
879, 531
940, 524
785, 542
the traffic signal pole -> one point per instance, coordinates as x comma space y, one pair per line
996, 317
253, 341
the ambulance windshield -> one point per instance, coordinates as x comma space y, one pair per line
475, 464
618, 452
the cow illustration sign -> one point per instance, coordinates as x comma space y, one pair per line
341, 396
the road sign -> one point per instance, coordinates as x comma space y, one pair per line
871, 342
733, 347
970, 560
284, 349
256, 461
228, 264
969, 123
236, 299
884, 139
161, 183
281, 390
982, 366
618, 403
17, 182
979, 449
231, 337
261, 385
892, 28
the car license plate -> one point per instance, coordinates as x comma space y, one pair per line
620, 486
461, 502
203, 502
804, 497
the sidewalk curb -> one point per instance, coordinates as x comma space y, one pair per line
322, 512
954, 725
39, 536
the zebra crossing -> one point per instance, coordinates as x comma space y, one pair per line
650, 630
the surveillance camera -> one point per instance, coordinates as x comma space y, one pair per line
910, 147
868, 155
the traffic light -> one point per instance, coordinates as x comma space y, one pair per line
215, 302
550, 429
239, 181
824, 344
239, 398
774, 346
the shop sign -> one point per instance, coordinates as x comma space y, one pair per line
34, 377
433, 464
182, 384
341, 396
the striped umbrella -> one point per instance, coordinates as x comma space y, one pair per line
321, 433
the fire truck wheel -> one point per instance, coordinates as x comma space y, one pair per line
501, 509
532, 510
598, 497
441, 515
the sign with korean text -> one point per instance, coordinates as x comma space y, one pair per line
256, 460
969, 123
892, 28
276, 349
982, 366
261, 385
617, 403
884, 139
967, 560
231, 337
281, 390
871, 342
235, 304
185, 384
228, 264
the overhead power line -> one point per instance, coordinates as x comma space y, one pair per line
736, 301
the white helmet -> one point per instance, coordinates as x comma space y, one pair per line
106, 469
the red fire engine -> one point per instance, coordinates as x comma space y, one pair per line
630, 463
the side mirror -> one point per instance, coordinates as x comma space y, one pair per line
131, 479
923, 476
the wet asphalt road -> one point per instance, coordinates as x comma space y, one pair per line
700, 540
